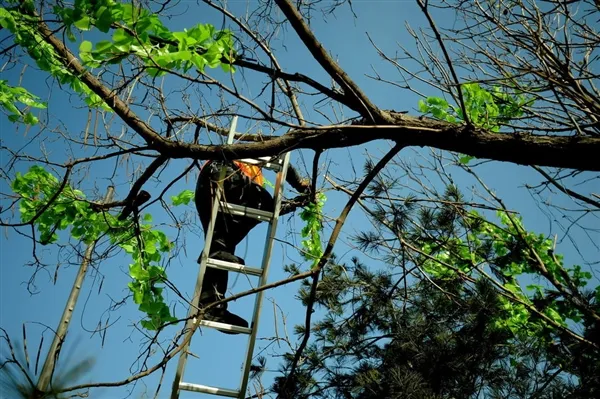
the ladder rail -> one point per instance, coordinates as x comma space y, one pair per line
200, 279
272, 230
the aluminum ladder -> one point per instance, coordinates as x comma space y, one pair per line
279, 165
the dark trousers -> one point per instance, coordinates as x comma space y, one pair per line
229, 229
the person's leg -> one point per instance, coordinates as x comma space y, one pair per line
238, 189
215, 280
229, 230
224, 239
250, 195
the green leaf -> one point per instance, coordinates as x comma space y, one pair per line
465, 159
103, 19
182, 198
148, 325
85, 47
150, 248
103, 46
156, 272
198, 61
120, 36
438, 101
200, 33
138, 296
151, 308
30, 119
227, 69
84, 23
145, 24
137, 272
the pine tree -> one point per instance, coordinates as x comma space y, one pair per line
390, 332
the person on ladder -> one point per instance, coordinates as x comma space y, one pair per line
243, 185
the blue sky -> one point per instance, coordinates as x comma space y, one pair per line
220, 355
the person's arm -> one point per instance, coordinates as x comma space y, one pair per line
299, 184
289, 206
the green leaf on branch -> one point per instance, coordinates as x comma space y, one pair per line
10, 95
22, 26
84, 23
488, 109
70, 210
503, 243
182, 198
85, 47
465, 159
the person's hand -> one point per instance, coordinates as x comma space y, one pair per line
306, 186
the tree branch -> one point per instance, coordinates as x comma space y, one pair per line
554, 151
351, 90
523, 149
565, 190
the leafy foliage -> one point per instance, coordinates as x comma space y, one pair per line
465, 306
183, 198
416, 342
512, 253
458, 332
140, 32
21, 26
312, 215
9, 96
137, 32
488, 109
52, 208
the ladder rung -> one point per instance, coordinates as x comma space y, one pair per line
225, 327
233, 267
230, 393
245, 211
265, 162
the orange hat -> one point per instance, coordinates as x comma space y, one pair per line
252, 171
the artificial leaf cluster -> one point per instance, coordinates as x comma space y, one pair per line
312, 215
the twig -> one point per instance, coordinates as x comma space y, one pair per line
423, 6
565, 190
351, 89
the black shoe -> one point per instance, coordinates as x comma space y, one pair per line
221, 315
224, 256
